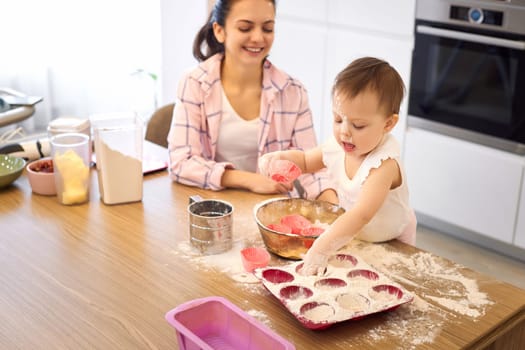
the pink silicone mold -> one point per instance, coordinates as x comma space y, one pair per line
277, 276
343, 260
254, 257
214, 323
329, 283
361, 273
295, 292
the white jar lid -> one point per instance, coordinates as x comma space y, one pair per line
68, 124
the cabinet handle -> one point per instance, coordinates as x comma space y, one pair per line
483, 39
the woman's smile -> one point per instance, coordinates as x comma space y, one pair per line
253, 51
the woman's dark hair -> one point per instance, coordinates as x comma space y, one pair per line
206, 37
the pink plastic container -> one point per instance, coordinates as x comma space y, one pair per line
214, 323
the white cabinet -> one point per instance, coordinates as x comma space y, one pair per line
374, 16
316, 39
344, 46
468, 185
519, 237
302, 9
299, 50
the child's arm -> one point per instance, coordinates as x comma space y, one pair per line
375, 189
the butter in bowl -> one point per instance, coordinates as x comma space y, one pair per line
41, 176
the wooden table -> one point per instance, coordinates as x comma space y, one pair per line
94, 276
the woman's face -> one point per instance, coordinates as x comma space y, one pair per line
359, 123
248, 31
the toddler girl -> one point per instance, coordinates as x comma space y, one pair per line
363, 161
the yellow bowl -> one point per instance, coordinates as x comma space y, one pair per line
288, 245
10, 169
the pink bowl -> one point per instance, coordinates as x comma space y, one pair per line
254, 257
41, 182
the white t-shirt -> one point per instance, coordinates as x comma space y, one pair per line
237, 141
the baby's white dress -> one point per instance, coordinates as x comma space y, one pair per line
395, 218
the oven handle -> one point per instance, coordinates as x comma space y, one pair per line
447, 33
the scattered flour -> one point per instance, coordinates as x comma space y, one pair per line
416, 323
229, 263
457, 292
320, 312
420, 322
260, 316
412, 323
353, 302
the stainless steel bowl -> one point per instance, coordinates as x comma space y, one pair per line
286, 245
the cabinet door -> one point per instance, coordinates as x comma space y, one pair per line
314, 10
344, 46
299, 49
519, 237
472, 186
384, 16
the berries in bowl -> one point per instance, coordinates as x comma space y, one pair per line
41, 176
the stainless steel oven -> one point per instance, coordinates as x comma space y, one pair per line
468, 71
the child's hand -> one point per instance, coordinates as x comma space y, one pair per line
314, 263
326, 245
266, 160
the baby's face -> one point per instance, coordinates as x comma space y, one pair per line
359, 123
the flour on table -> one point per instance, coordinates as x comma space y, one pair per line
457, 292
416, 323
260, 316
229, 263
412, 322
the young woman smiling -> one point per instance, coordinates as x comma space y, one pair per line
236, 106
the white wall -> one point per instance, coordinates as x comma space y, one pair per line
180, 23
80, 55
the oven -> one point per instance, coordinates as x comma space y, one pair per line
468, 71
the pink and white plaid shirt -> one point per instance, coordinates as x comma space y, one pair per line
285, 123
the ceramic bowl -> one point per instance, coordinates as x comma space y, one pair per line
41, 176
290, 245
10, 169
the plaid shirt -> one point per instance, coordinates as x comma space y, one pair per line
285, 123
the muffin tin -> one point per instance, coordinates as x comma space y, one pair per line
349, 289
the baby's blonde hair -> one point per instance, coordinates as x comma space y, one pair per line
369, 73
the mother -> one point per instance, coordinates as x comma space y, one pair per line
236, 106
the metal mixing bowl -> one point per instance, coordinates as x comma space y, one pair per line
287, 245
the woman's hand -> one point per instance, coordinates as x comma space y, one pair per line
266, 160
253, 182
265, 185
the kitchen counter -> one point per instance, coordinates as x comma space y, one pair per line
95, 276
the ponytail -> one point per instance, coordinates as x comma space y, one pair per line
206, 37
